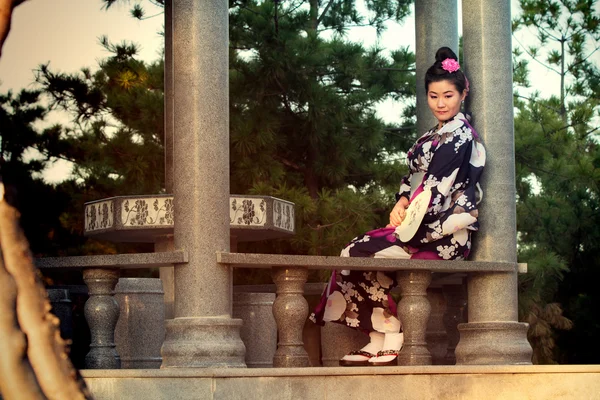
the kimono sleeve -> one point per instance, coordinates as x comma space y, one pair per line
404, 188
449, 167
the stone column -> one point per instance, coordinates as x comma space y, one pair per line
167, 275
493, 335
456, 305
101, 313
290, 310
168, 96
437, 339
436, 25
202, 334
413, 313
140, 331
259, 332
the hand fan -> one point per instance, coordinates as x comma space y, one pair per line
414, 215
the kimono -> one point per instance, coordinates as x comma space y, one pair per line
449, 162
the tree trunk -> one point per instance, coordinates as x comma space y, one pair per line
36, 332
563, 109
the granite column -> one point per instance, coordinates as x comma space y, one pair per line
493, 334
436, 25
202, 334
165, 243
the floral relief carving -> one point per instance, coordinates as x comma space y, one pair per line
245, 211
147, 211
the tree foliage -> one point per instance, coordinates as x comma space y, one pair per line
557, 179
302, 113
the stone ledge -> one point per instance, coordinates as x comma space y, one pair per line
432, 382
246, 260
115, 261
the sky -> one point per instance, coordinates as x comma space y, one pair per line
66, 34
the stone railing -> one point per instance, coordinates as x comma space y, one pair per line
150, 219
290, 308
101, 274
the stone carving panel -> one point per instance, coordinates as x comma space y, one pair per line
247, 211
150, 211
99, 215
283, 215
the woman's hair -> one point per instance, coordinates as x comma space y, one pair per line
437, 73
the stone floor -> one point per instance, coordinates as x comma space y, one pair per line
427, 382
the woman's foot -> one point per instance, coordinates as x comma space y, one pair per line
389, 356
361, 357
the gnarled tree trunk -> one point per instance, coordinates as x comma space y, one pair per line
33, 357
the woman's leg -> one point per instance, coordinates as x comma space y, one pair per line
362, 300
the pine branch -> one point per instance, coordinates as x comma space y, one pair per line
324, 12
583, 60
289, 163
534, 57
537, 102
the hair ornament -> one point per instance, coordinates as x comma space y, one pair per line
450, 65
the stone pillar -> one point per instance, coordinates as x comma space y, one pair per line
259, 331
140, 331
456, 305
290, 310
493, 335
168, 96
101, 313
413, 312
436, 25
167, 275
437, 339
202, 334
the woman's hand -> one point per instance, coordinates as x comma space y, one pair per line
398, 213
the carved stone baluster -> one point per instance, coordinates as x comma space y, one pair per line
290, 310
456, 303
413, 312
102, 313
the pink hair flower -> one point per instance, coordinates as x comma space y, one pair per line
450, 65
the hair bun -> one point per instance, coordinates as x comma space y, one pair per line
444, 53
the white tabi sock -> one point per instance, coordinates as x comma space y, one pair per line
374, 346
392, 341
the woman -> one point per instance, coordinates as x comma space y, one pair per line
448, 161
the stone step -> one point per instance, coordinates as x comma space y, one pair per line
563, 382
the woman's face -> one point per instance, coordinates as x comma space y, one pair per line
444, 100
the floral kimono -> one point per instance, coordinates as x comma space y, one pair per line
449, 162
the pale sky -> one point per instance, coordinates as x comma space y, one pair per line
66, 32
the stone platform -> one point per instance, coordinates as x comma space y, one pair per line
427, 382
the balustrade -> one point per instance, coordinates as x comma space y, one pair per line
290, 310
102, 313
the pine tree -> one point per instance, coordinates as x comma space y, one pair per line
302, 112
557, 180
